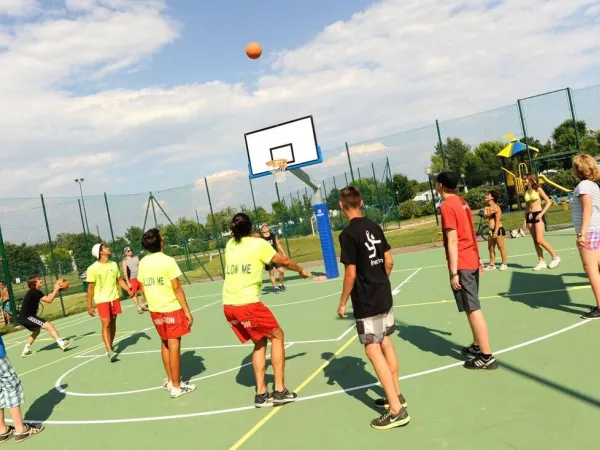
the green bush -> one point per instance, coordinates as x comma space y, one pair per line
427, 209
409, 209
476, 196
565, 178
374, 214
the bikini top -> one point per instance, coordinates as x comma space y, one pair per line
531, 196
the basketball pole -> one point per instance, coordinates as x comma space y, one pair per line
323, 225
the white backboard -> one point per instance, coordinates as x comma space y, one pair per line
295, 141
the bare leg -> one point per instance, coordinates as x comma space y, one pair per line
538, 249
34, 335
384, 374
17, 417
113, 330
164, 352
480, 331
49, 327
590, 260
278, 358
259, 364
491, 248
272, 275
281, 276
502, 248
392, 360
106, 334
175, 361
540, 241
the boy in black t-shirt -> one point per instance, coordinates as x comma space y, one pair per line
28, 314
368, 264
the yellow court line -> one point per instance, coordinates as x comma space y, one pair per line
275, 410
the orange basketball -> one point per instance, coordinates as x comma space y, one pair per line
65, 285
253, 50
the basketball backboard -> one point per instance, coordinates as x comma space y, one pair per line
294, 141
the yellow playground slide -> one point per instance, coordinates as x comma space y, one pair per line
544, 179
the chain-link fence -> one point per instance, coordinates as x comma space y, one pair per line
53, 237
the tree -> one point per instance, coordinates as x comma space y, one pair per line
23, 261
455, 151
64, 263
134, 237
81, 245
404, 188
564, 136
482, 166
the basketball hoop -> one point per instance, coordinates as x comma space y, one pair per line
278, 168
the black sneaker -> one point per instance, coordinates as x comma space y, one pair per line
471, 350
281, 398
263, 400
383, 402
593, 314
480, 363
276, 290
389, 420
282, 287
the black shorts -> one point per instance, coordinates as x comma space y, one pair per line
269, 267
532, 217
467, 299
32, 323
501, 232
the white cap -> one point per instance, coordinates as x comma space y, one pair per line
96, 250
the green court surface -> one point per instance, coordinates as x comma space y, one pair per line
545, 394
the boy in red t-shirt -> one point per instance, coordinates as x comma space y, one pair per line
465, 266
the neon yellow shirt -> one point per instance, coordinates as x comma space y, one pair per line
104, 276
155, 272
244, 266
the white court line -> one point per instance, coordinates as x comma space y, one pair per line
397, 290
311, 397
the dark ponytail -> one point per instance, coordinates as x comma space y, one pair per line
241, 226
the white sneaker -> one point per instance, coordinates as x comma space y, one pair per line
541, 265
184, 388
167, 385
555, 262
503, 267
490, 267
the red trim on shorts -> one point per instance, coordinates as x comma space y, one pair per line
109, 309
250, 322
170, 325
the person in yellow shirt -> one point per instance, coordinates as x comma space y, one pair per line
249, 318
103, 277
158, 276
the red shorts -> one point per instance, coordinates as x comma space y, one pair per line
170, 325
253, 321
109, 309
135, 285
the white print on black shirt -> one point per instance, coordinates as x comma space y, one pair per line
371, 247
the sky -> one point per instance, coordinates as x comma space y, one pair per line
146, 95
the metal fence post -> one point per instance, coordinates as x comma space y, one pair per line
62, 304
112, 234
8, 278
571, 105
376, 187
350, 162
524, 133
437, 126
214, 224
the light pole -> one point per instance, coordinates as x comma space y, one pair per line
79, 181
428, 172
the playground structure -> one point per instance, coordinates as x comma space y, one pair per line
516, 182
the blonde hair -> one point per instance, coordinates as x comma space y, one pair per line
586, 167
533, 179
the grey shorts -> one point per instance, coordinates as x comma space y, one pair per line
467, 299
372, 330
11, 391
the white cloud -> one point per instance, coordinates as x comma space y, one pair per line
398, 64
17, 8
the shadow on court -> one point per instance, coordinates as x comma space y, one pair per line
349, 372
551, 384
74, 338
129, 341
245, 376
43, 407
429, 340
552, 292
191, 365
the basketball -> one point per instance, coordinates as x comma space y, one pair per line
65, 285
253, 50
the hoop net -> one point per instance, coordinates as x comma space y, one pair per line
278, 168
